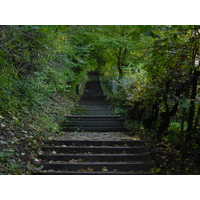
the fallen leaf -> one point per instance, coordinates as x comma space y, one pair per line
73, 161
89, 169
104, 169
53, 152
82, 170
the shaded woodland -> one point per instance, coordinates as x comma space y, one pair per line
149, 73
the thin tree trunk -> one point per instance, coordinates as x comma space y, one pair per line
197, 120
192, 107
182, 143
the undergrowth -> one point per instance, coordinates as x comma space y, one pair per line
22, 133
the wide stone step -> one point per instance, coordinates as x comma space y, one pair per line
102, 143
121, 166
92, 150
96, 157
84, 172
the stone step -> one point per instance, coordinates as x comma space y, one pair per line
94, 107
91, 103
93, 117
96, 150
96, 157
94, 129
93, 112
100, 98
51, 172
92, 123
102, 143
120, 166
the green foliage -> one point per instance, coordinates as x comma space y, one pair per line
135, 127
173, 134
174, 127
33, 65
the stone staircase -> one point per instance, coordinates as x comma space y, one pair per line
83, 157
94, 157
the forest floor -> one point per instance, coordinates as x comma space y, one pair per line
22, 133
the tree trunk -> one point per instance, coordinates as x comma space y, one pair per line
197, 120
121, 57
182, 143
192, 107
166, 120
148, 122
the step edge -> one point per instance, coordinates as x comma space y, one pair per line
95, 147
101, 163
94, 173
98, 155
85, 116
